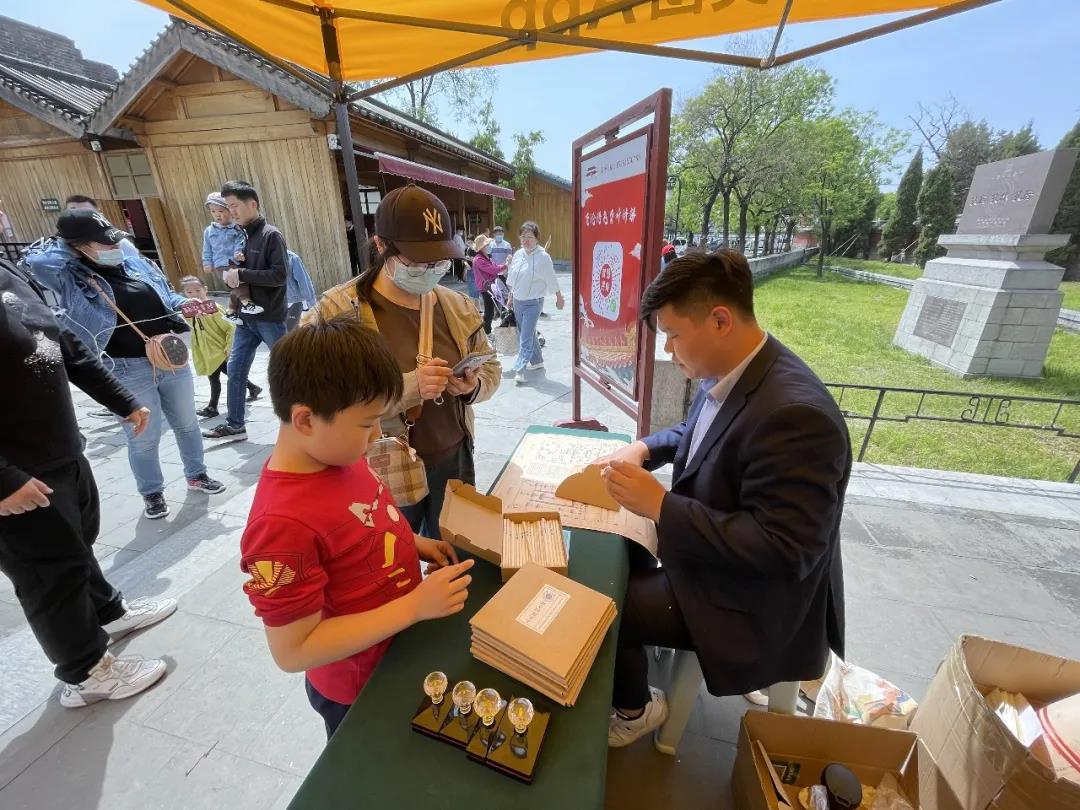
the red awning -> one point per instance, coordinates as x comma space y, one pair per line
414, 171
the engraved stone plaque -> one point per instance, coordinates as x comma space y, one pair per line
1018, 195
940, 319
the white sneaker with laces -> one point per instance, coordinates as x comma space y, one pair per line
113, 678
139, 614
519, 378
623, 732
534, 366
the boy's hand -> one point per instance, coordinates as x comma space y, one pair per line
443, 593
436, 553
238, 257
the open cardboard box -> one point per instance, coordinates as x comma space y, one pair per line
799, 748
985, 766
474, 523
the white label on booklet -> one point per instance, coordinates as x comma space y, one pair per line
543, 609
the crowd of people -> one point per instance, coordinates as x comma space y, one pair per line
374, 392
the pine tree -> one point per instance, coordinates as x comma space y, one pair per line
899, 231
1068, 215
937, 214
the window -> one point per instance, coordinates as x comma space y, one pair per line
130, 175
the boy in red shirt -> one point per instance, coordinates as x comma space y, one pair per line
334, 567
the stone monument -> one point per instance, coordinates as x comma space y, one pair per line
990, 306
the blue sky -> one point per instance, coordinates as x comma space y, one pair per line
1013, 61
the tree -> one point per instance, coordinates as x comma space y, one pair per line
969, 146
457, 90
1068, 215
1016, 144
523, 164
486, 138
899, 231
886, 207
937, 213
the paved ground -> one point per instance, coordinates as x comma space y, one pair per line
927, 556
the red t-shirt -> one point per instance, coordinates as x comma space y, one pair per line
334, 542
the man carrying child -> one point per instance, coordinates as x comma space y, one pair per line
223, 249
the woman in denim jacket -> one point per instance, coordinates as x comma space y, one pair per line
92, 261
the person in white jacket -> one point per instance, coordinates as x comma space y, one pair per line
531, 277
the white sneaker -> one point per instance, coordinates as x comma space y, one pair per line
623, 732
139, 614
519, 378
759, 697
113, 679
534, 366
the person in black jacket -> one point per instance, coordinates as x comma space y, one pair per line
749, 535
265, 269
49, 503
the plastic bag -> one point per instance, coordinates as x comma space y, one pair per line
887, 796
852, 694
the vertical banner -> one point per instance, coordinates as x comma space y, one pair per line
611, 223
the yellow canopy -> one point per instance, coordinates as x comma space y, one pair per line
403, 38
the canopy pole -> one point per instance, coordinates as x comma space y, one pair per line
767, 62
344, 128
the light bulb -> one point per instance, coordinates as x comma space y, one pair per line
463, 696
521, 713
487, 705
435, 687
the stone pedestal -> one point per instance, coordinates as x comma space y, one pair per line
989, 308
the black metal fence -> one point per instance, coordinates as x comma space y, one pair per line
873, 404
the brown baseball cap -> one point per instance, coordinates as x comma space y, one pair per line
417, 222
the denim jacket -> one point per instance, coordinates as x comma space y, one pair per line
63, 273
219, 245
299, 289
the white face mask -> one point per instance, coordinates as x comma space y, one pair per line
110, 258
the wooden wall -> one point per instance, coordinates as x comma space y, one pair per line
203, 127
38, 161
549, 206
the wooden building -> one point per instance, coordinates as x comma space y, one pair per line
203, 110
547, 200
48, 93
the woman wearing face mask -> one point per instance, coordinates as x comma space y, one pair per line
408, 255
531, 277
485, 271
97, 267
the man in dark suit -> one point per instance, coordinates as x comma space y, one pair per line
749, 533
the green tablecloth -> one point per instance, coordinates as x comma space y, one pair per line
376, 760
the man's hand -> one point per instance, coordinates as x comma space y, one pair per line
443, 593
26, 498
238, 257
462, 386
232, 277
436, 553
560, 302
636, 454
433, 377
139, 419
635, 489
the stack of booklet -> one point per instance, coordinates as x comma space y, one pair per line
544, 630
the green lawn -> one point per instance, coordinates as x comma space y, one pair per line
1072, 294
844, 328
885, 268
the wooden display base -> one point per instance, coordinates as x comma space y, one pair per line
587, 423
499, 747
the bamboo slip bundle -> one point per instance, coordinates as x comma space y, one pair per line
538, 541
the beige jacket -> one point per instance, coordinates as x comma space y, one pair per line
466, 328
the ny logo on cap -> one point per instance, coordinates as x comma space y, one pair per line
432, 221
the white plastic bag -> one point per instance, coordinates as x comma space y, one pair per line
852, 694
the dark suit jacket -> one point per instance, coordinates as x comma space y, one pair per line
750, 533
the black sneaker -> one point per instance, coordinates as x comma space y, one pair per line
103, 413
226, 431
207, 413
544, 315
156, 508
204, 483
253, 393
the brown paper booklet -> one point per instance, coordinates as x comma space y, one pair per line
543, 629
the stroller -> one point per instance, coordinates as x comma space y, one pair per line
506, 342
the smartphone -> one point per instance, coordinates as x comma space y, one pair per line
472, 362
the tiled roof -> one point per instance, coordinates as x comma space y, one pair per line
61, 98
43, 47
554, 179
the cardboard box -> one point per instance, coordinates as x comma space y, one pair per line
474, 523
799, 748
986, 767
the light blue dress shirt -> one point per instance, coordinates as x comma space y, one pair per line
716, 392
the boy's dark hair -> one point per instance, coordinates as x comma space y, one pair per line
80, 199
699, 281
240, 190
330, 366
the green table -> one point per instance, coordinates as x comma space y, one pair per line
376, 760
